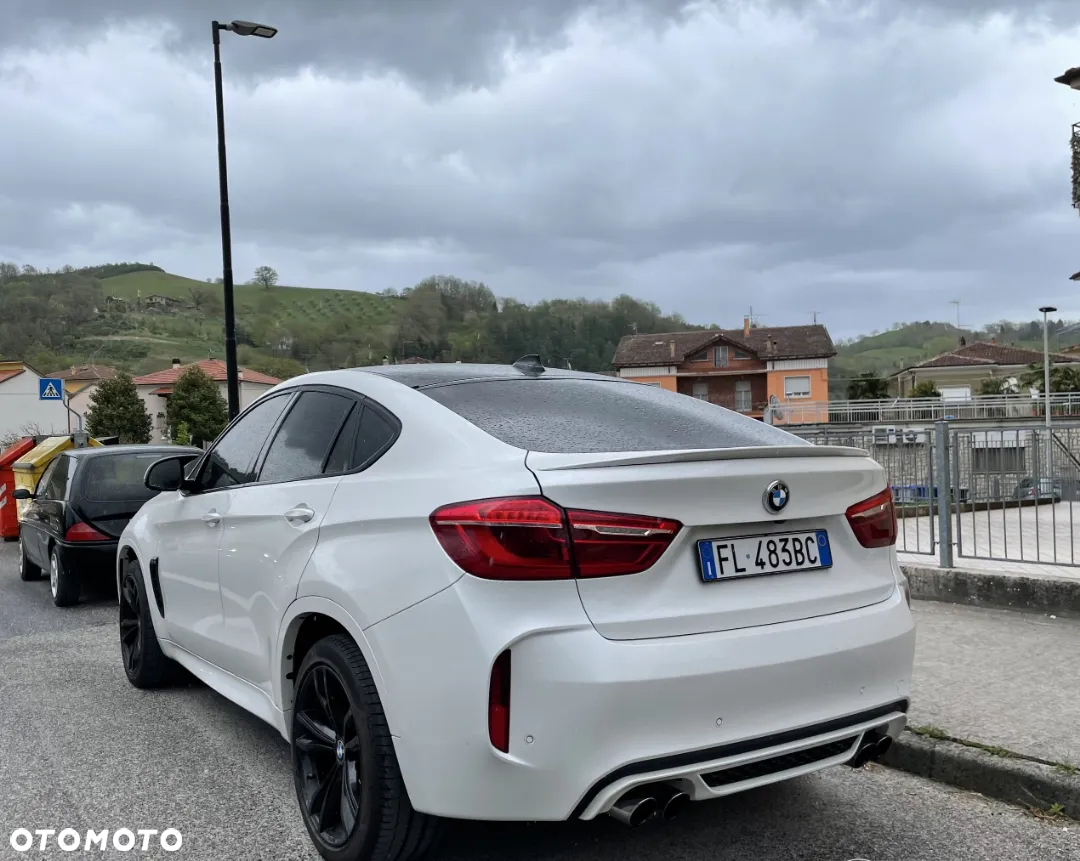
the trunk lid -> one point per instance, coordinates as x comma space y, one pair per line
719, 494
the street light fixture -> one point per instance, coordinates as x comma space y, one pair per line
1045, 310
1071, 78
232, 370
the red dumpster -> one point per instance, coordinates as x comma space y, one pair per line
9, 516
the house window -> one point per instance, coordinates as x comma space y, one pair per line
701, 391
742, 354
703, 356
796, 387
1009, 459
743, 400
720, 357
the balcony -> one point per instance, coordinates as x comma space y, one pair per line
899, 410
737, 402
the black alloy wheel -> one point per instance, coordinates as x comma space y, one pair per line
145, 665
348, 783
130, 625
329, 756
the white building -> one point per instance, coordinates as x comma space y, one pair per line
80, 383
22, 411
155, 388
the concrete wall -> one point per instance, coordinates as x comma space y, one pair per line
20, 409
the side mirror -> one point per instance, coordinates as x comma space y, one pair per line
168, 473
21, 493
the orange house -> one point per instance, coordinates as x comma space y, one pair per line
752, 370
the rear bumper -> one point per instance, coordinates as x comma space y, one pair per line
593, 718
89, 560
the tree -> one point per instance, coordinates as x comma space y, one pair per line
117, 410
196, 402
182, 436
8, 271
265, 275
1063, 378
868, 386
925, 389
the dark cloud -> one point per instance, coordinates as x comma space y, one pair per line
868, 161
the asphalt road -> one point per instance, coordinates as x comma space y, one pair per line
80, 748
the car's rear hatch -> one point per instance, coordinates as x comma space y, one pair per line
111, 489
720, 494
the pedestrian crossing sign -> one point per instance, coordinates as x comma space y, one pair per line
50, 389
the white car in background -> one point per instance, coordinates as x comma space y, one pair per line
516, 593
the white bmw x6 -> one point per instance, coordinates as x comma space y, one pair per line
516, 593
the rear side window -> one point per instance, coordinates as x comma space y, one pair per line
304, 439
118, 477
570, 416
366, 435
56, 485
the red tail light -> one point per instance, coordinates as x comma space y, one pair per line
84, 532
499, 703
532, 538
874, 520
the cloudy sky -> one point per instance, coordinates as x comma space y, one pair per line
867, 161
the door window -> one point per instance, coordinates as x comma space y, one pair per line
57, 485
303, 441
46, 477
232, 460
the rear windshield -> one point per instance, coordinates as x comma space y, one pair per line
118, 477
569, 416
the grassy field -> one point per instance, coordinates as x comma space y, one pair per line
142, 342
295, 304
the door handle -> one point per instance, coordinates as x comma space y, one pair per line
211, 518
301, 514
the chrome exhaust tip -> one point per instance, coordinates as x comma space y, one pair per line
873, 746
675, 805
634, 811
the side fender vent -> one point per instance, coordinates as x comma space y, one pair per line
155, 584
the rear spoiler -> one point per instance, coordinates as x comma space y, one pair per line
552, 461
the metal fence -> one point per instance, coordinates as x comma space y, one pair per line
990, 408
1012, 493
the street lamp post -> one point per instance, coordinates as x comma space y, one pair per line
232, 370
1047, 309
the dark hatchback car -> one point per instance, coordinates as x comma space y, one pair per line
78, 510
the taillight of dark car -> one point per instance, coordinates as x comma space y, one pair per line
84, 532
874, 520
532, 538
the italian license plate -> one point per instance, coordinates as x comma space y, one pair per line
750, 555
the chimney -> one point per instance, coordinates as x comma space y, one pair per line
176, 363
672, 346
746, 327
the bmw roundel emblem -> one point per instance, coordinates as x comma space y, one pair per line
776, 497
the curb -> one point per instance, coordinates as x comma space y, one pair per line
1056, 595
1007, 778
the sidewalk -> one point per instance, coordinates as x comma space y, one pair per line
1007, 685
1000, 678
994, 566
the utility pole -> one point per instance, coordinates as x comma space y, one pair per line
815, 313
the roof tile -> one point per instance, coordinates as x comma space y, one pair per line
665, 348
214, 368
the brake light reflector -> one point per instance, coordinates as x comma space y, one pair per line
874, 520
532, 538
84, 532
499, 703
611, 544
506, 539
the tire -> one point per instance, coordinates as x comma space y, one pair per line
335, 688
27, 570
145, 665
65, 587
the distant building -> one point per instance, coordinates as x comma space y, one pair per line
155, 388
21, 409
80, 383
958, 374
742, 369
